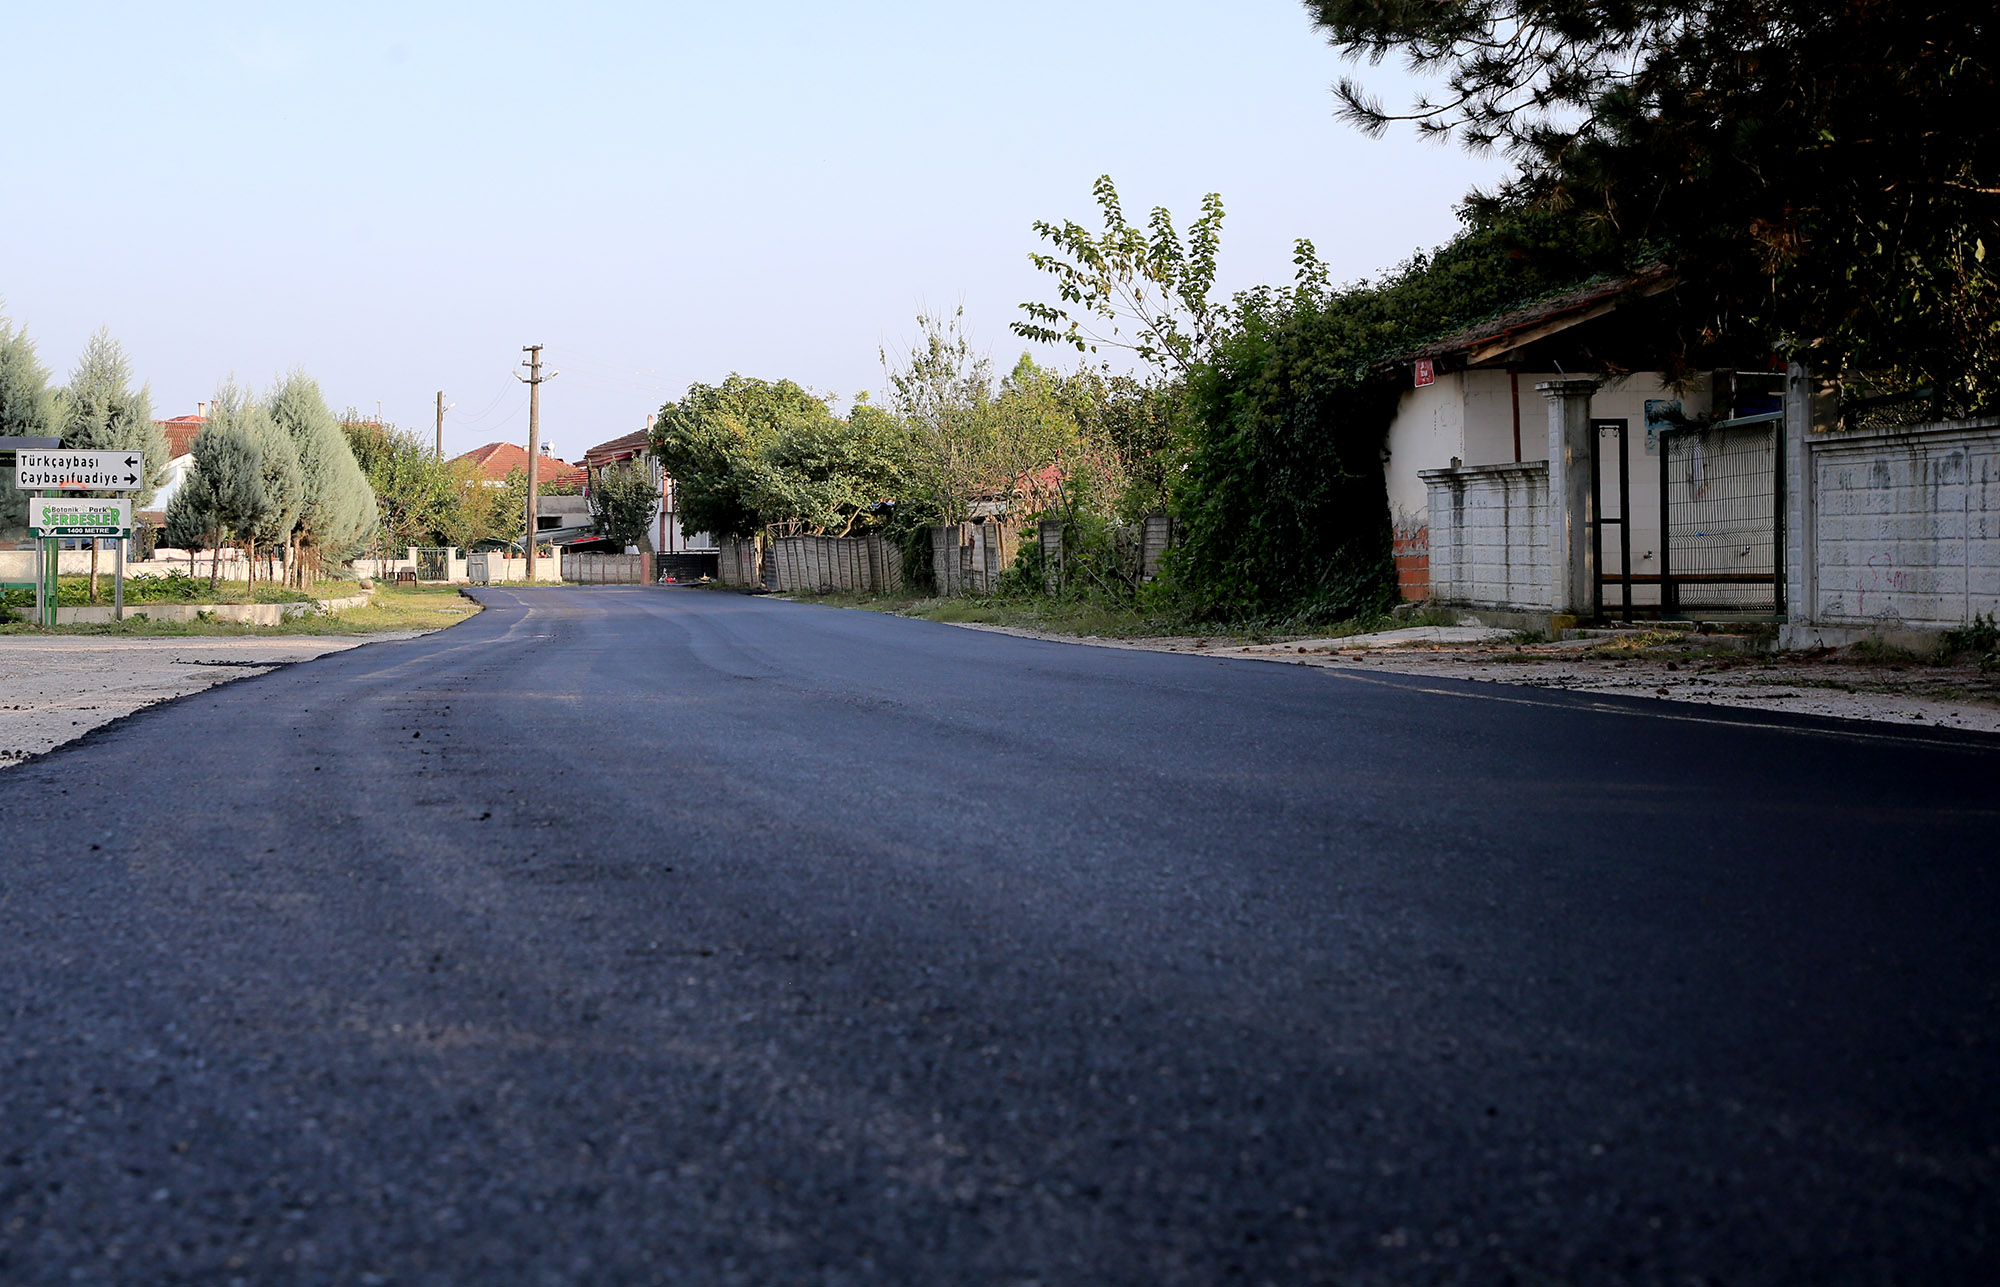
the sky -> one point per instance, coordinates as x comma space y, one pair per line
397, 197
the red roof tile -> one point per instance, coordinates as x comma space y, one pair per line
496, 460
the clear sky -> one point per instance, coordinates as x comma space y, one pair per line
398, 196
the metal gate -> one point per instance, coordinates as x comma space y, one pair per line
433, 563
1623, 577
1722, 505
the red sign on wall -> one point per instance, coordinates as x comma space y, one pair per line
1425, 373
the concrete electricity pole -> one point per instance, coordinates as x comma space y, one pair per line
534, 380
440, 424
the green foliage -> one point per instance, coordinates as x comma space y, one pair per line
336, 509
1981, 639
223, 495
1810, 168
622, 499
419, 498
1278, 484
100, 411
1146, 280
752, 453
26, 411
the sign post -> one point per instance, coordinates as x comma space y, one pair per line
54, 517
80, 470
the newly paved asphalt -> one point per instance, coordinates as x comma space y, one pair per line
635, 935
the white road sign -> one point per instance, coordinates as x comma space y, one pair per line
62, 516
91, 471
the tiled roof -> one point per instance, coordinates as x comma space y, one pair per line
181, 431
496, 460
632, 444
1545, 316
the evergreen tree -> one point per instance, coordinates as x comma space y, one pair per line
224, 494
336, 508
26, 411
280, 489
100, 411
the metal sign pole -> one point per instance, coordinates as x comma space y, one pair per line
52, 565
118, 583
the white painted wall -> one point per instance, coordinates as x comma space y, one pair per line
1905, 525
1489, 535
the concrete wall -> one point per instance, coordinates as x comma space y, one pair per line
1489, 535
820, 564
1903, 527
510, 567
607, 569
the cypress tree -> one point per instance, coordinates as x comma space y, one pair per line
236, 478
99, 411
336, 505
26, 411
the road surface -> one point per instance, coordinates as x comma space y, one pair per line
656, 935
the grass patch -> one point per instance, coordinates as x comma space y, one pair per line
420, 607
1098, 618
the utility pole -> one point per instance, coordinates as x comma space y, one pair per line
534, 380
440, 424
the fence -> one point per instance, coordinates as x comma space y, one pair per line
968, 558
607, 569
1489, 535
1901, 525
1720, 495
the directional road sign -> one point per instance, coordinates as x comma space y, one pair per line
91, 471
62, 516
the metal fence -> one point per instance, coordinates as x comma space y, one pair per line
1720, 497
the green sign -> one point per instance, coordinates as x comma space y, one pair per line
62, 516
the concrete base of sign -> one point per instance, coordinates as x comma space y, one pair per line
250, 614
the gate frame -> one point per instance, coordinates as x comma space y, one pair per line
1624, 519
419, 554
1670, 596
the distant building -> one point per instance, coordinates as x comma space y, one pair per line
496, 460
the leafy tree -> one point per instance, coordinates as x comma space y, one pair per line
100, 411
1815, 170
336, 507
712, 444
224, 493
1276, 478
420, 499
280, 492
1147, 289
622, 499
26, 411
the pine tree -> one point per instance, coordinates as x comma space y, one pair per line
99, 411
26, 411
281, 492
225, 490
336, 505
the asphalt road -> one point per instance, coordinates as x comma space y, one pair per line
661, 935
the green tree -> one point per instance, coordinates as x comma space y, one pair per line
26, 411
1815, 170
1144, 290
223, 496
280, 490
622, 498
419, 498
99, 410
712, 444
336, 506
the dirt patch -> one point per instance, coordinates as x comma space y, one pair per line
1840, 683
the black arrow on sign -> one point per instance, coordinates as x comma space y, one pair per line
131, 478
130, 461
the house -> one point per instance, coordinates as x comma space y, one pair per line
180, 433
494, 461
1525, 458
1542, 468
667, 537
